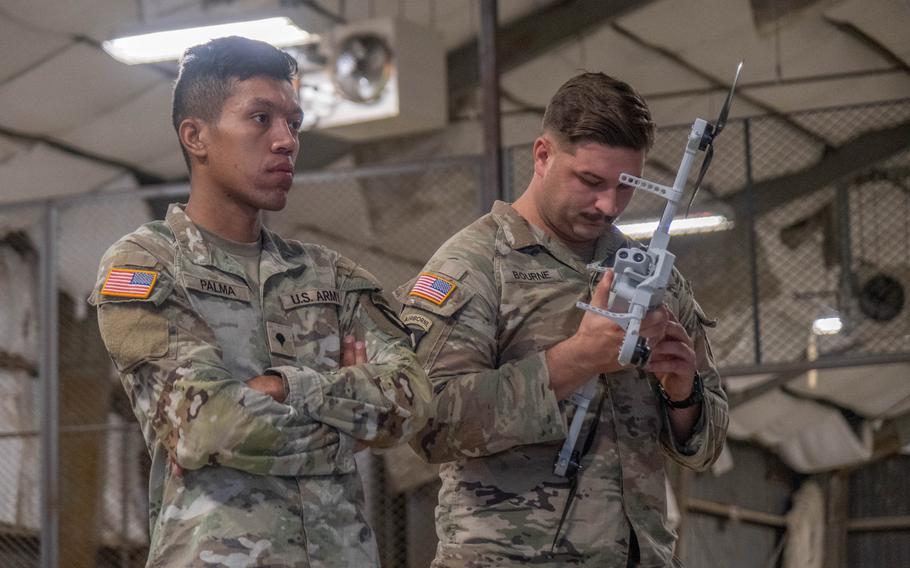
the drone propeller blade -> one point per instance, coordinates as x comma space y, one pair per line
709, 155
725, 110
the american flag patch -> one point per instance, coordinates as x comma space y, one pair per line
129, 283
432, 288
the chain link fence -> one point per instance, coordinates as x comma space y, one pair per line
73, 478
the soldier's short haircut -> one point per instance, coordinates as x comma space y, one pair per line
208, 72
599, 108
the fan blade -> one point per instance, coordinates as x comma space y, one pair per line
725, 110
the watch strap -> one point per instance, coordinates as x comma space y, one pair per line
695, 397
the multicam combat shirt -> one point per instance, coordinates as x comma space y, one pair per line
488, 305
265, 483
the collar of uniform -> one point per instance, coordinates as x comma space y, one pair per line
519, 234
517, 230
188, 237
199, 251
276, 250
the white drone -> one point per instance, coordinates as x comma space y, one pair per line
641, 275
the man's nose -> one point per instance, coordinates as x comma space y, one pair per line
607, 204
286, 140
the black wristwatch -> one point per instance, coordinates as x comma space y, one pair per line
695, 397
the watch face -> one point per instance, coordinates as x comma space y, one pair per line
881, 298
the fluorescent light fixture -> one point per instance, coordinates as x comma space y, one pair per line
170, 45
688, 226
829, 325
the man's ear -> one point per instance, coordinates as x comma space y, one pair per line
542, 151
193, 134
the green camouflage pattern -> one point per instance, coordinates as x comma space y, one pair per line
496, 426
265, 483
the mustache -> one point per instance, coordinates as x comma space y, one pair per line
596, 218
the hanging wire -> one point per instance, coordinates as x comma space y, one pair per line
778, 66
906, 223
861, 241
879, 212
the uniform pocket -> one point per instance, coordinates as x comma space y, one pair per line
133, 331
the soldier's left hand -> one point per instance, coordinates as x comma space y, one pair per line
353, 352
673, 360
272, 385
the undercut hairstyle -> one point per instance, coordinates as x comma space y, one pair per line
208, 72
598, 108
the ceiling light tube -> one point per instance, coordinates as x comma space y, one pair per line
170, 45
687, 226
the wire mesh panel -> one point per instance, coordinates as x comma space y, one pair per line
21, 231
837, 249
103, 460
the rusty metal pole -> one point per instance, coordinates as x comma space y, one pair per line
491, 188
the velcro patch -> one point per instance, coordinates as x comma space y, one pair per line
310, 296
217, 288
129, 283
433, 288
418, 321
532, 276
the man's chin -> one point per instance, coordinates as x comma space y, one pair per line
590, 231
274, 199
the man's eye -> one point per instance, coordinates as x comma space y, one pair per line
296, 124
261, 118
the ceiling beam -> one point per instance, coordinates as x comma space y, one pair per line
702, 74
867, 40
837, 164
532, 35
143, 177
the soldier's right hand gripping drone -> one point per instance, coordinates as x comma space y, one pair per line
640, 276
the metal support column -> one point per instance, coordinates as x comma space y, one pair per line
49, 372
491, 189
753, 244
848, 285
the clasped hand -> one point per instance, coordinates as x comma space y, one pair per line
595, 346
352, 353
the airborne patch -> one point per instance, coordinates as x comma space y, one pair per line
418, 321
129, 283
433, 288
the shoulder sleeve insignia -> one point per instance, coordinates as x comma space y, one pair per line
129, 283
433, 288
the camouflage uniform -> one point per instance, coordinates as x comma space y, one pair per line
265, 483
498, 426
